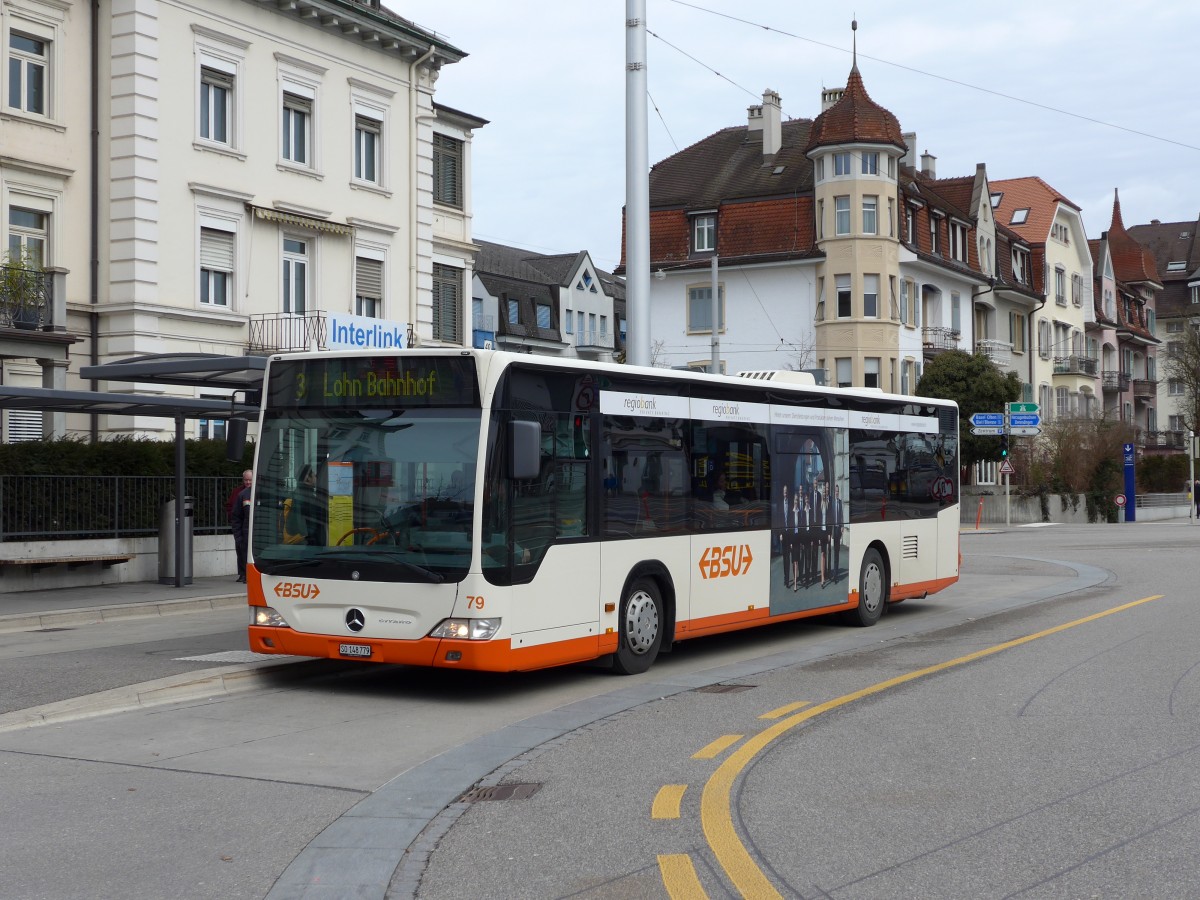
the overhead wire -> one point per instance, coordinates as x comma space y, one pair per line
945, 78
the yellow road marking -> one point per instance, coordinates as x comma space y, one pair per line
784, 710
720, 745
679, 877
715, 813
667, 800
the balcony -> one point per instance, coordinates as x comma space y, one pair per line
1145, 388
1075, 365
938, 338
26, 298
593, 341
1114, 382
1163, 440
999, 352
284, 332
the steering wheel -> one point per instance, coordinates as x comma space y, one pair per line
377, 535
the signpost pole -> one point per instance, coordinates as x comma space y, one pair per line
1192, 478
1007, 506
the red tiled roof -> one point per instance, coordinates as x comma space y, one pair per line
1132, 263
777, 227
1035, 195
855, 118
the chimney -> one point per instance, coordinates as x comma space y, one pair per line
1155, 222
929, 164
830, 96
754, 118
772, 135
910, 155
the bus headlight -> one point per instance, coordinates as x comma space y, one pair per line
466, 629
265, 615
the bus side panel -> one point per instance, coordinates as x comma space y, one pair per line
561, 601
731, 575
949, 527
619, 558
918, 558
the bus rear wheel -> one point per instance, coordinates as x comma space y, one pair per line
872, 589
639, 628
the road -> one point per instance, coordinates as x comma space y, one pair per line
929, 787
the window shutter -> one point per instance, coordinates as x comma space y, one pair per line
24, 425
216, 249
447, 285
368, 278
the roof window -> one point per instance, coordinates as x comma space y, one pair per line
1020, 216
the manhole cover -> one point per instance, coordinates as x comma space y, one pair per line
500, 792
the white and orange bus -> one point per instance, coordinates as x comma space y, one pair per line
486, 510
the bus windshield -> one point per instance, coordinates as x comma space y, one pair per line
372, 488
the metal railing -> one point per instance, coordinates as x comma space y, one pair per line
1115, 381
1144, 388
594, 340
26, 298
1170, 440
999, 352
63, 507
939, 337
1074, 365
278, 332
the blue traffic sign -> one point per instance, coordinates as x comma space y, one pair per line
1024, 420
989, 420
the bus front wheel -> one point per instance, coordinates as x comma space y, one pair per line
640, 628
872, 589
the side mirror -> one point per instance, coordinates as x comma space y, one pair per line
235, 439
524, 450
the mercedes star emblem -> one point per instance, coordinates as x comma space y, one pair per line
355, 620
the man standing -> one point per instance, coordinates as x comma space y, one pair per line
239, 518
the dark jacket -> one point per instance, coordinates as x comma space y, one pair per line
239, 516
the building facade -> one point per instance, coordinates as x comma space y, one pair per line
1064, 369
556, 305
262, 174
1125, 311
1176, 253
831, 248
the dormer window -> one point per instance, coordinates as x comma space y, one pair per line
841, 164
1177, 266
704, 233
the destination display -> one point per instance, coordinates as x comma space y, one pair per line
373, 382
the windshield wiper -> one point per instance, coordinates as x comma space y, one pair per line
382, 555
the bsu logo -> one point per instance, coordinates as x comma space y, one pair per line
718, 562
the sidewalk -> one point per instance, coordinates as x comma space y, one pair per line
103, 602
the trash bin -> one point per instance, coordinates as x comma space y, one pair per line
166, 541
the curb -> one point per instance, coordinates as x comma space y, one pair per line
97, 615
200, 685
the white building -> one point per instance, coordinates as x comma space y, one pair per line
259, 169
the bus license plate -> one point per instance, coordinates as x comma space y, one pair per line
354, 649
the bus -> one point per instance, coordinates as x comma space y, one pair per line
486, 510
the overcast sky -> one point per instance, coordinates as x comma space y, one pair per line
1088, 96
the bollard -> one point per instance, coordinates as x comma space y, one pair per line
979, 514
